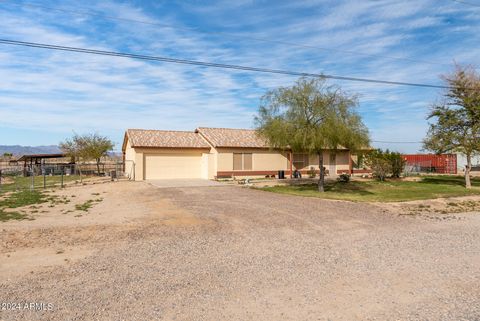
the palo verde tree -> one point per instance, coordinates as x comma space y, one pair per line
310, 117
87, 147
456, 126
72, 149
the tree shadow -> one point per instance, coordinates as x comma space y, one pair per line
336, 187
349, 188
449, 180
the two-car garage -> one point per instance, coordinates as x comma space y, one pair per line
165, 154
175, 165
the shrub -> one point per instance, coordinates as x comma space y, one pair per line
397, 163
311, 172
385, 163
379, 164
344, 178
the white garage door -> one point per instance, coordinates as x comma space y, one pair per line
168, 166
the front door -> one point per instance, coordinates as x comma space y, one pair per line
332, 165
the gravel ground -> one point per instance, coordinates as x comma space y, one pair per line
240, 254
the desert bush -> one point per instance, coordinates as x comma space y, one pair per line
311, 172
385, 163
344, 178
397, 163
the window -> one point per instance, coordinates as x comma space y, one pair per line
242, 161
300, 161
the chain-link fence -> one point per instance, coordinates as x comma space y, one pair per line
41, 176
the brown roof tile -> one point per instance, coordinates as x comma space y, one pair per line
165, 138
228, 137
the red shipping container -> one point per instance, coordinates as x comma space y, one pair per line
443, 163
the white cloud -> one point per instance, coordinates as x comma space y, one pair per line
64, 91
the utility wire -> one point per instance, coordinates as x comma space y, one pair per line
285, 43
212, 64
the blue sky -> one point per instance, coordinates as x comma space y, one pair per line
46, 95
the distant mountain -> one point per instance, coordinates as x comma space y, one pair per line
18, 150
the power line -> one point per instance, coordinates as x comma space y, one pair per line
212, 64
281, 42
467, 3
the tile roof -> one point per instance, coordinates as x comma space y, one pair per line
228, 137
165, 138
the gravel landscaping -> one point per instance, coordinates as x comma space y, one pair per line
234, 253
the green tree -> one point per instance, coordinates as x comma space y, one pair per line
385, 163
71, 148
96, 147
311, 116
87, 147
456, 120
397, 163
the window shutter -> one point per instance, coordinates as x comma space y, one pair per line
247, 162
237, 162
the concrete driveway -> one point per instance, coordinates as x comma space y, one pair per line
190, 182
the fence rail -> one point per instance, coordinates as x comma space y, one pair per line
37, 176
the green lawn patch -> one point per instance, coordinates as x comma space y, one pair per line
19, 199
23, 198
390, 191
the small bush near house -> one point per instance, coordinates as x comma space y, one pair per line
311, 172
344, 178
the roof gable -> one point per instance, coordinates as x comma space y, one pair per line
164, 139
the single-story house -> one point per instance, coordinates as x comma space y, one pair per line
211, 153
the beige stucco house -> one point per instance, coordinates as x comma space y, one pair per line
211, 153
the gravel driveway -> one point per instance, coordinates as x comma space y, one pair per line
175, 183
240, 254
